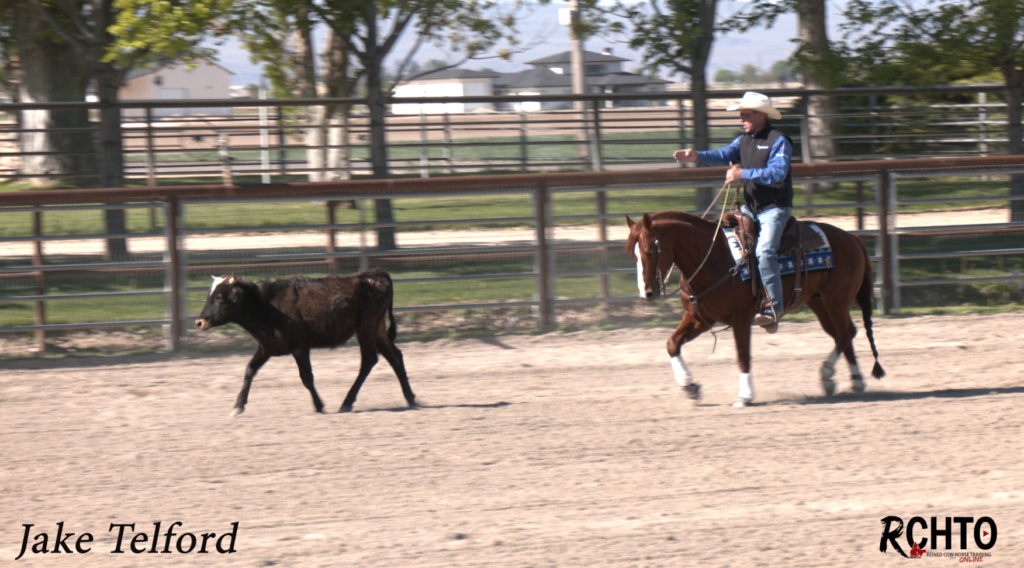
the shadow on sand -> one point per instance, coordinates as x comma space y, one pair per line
883, 396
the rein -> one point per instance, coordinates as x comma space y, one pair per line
664, 281
695, 299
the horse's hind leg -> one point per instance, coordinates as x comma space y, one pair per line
845, 332
828, 368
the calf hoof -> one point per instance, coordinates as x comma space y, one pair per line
237, 410
858, 384
346, 408
829, 385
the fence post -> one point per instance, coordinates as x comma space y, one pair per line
364, 261
424, 139
860, 210
542, 253
447, 149
223, 145
150, 164
805, 154
596, 162
602, 237
264, 140
883, 234
523, 152
894, 247
280, 140
332, 264
173, 277
37, 260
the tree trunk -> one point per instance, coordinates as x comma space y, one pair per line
314, 134
53, 71
1015, 132
821, 109
338, 85
378, 143
111, 153
699, 90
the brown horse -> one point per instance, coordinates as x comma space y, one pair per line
677, 238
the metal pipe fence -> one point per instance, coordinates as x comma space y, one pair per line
622, 131
530, 244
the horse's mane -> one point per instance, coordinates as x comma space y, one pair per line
674, 217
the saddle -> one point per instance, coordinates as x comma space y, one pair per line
797, 237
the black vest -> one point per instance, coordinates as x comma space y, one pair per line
755, 149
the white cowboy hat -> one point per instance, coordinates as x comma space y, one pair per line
758, 102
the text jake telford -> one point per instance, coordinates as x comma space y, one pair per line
130, 541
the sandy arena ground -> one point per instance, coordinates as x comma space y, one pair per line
554, 450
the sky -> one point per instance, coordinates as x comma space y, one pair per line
759, 47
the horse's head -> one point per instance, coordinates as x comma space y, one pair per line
645, 248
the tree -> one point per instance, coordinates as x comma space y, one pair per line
62, 46
750, 74
782, 71
725, 76
469, 28
677, 35
946, 39
815, 57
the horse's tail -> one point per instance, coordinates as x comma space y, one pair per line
865, 295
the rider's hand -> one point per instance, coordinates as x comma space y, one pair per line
733, 174
686, 155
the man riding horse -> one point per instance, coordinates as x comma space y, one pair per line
760, 159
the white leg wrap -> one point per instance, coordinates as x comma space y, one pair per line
828, 368
683, 376
854, 370
639, 271
746, 387
833, 356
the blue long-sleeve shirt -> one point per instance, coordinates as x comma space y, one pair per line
774, 172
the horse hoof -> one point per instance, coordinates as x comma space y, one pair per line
237, 410
741, 402
829, 385
345, 408
858, 384
692, 392
827, 372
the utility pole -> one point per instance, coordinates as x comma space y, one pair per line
577, 67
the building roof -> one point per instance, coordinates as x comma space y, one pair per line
623, 78
457, 74
564, 57
536, 77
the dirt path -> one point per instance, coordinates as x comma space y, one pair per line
554, 450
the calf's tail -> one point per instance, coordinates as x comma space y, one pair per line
393, 330
865, 295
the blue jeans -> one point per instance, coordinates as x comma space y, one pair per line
772, 222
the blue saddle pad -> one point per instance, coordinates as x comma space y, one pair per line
814, 260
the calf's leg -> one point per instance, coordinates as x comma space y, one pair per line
258, 359
393, 356
306, 373
368, 352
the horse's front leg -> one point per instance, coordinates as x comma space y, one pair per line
741, 332
688, 329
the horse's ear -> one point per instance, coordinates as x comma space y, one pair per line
629, 222
647, 221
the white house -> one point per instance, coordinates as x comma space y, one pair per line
550, 75
175, 81
446, 83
